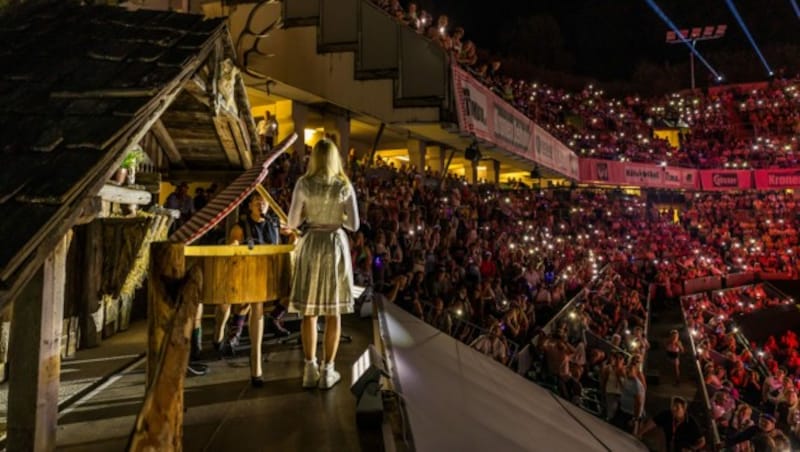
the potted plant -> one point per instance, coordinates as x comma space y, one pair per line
127, 170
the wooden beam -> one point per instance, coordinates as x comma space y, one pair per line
165, 141
211, 143
242, 143
187, 117
125, 195
167, 266
36, 357
90, 211
159, 425
227, 140
5, 335
243, 104
272, 203
90, 309
197, 88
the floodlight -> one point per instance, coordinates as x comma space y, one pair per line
367, 369
367, 372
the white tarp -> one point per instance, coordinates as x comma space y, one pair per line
459, 400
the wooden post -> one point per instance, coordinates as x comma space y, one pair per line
167, 270
36, 357
91, 308
173, 301
5, 335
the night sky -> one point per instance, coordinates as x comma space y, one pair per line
607, 39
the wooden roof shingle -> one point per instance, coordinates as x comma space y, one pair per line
76, 81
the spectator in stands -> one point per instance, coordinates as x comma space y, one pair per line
492, 344
631, 402
200, 199
681, 431
181, 200
411, 18
742, 420
773, 388
267, 132
674, 348
761, 435
611, 377
467, 55
440, 318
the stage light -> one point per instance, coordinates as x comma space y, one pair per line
795, 8
746, 31
367, 372
682, 36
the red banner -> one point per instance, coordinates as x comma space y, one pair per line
489, 118
777, 179
717, 180
637, 174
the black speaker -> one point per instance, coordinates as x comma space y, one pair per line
536, 173
472, 153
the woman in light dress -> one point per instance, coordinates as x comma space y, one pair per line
322, 283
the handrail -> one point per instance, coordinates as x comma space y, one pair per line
712, 425
513, 347
650, 291
579, 296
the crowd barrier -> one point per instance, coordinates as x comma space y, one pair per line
739, 279
770, 276
704, 284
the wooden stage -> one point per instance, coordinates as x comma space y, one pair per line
224, 413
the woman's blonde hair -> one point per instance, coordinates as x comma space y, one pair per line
326, 161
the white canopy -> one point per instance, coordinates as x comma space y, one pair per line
459, 399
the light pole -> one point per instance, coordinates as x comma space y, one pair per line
696, 34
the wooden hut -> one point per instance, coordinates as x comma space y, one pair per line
81, 87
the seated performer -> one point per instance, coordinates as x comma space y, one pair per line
256, 228
322, 283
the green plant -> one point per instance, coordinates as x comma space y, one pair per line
135, 156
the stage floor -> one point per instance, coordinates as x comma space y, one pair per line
225, 413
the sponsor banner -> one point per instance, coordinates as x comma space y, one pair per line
600, 171
636, 174
716, 180
545, 147
472, 104
685, 178
777, 179
489, 118
512, 130
642, 174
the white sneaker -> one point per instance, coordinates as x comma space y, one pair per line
328, 377
311, 375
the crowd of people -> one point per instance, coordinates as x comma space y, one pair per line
748, 231
742, 378
493, 267
752, 127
